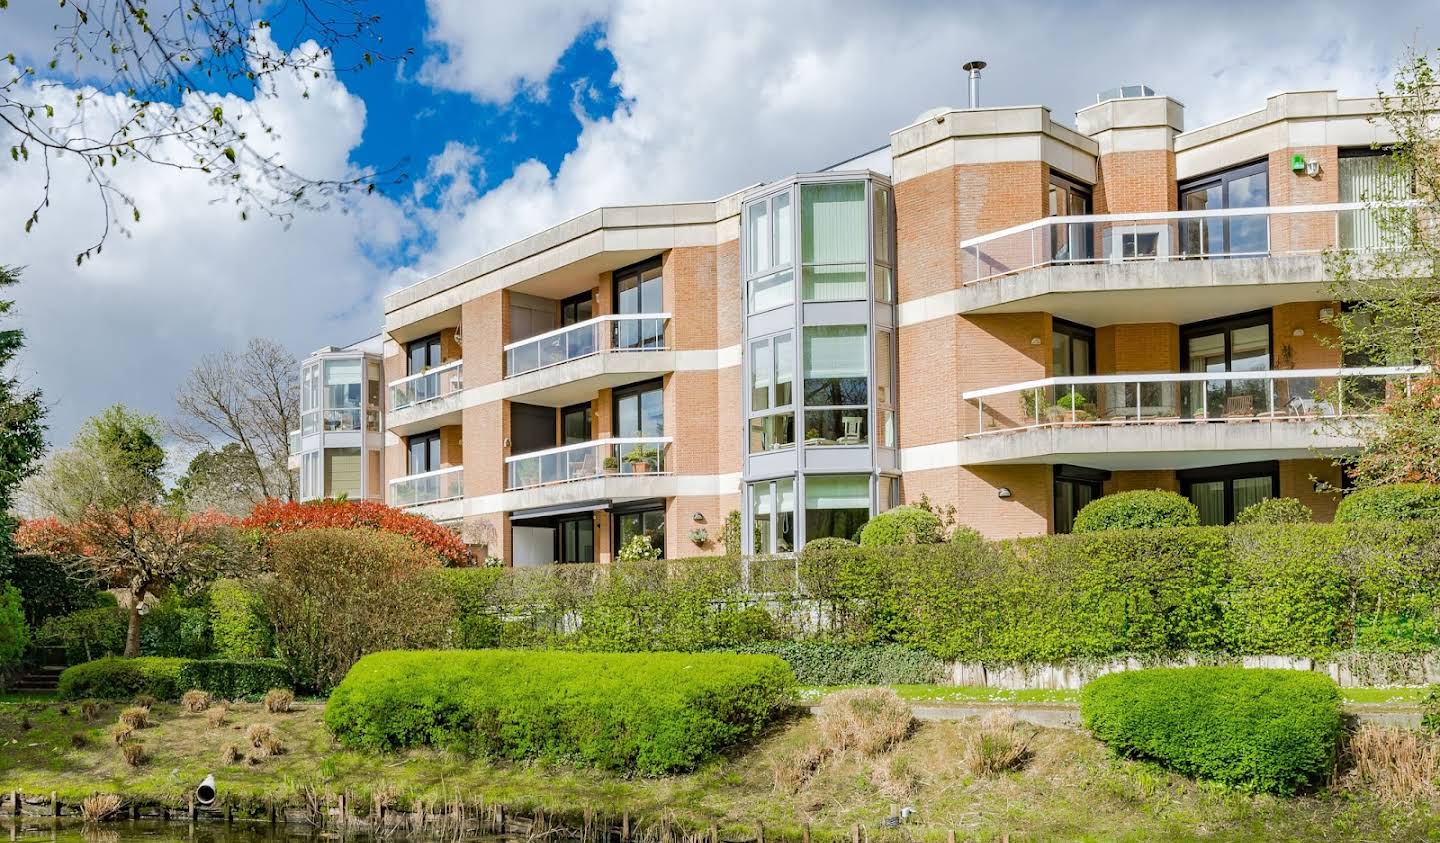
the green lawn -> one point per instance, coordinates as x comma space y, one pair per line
1070, 788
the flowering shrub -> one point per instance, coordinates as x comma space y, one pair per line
275, 516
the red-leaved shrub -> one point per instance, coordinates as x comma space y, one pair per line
275, 516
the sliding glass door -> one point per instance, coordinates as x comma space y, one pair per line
1235, 344
1237, 236
639, 289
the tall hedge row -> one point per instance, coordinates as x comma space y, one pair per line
652, 713
1308, 589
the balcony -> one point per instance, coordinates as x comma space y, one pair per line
569, 364
1176, 258
430, 385
600, 458
446, 484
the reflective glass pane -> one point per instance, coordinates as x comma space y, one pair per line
770, 433
757, 238
772, 291
762, 512
837, 427
832, 223
784, 370
836, 505
835, 365
844, 282
1250, 490
1209, 498
761, 368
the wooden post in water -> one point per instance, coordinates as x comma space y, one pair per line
624, 822
190, 807
15, 802
54, 804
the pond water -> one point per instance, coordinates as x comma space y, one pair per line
37, 830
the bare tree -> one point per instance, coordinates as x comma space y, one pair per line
249, 399
151, 77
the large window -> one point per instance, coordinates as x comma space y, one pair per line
1072, 353
769, 249
832, 241
310, 403
836, 505
342, 473
578, 308
772, 509
1072, 242
772, 393
1075, 486
640, 410
422, 453
576, 539
575, 424
836, 385
647, 522
1235, 344
1242, 187
1222, 492
639, 289
884, 386
422, 354
342, 394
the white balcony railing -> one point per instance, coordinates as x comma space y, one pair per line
427, 386
1172, 236
1284, 395
636, 456
616, 332
431, 487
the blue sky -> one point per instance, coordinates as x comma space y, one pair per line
512, 117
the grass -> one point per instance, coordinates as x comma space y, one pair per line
1068, 786
941, 694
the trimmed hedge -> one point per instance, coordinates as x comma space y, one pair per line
1276, 511
14, 632
653, 713
237, 621
1397, 502
902, 525
1149, 509
830, 663
1258, 730
168, 678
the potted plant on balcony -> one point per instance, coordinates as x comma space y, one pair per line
642, 458
1069, 408
610, 464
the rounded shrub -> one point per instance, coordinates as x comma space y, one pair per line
169, 678
1140, 510
1276, 511
903, 525
14, 632
1396, 502
1259, 730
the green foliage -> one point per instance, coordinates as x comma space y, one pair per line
122, 679
86, 634
178, 625
638, 549
1258, 730
167, 678
238, 628
22, 436
14, 632
730, 536
902, 525
339, 594
1140, 510
48, 589
475, 593
652, 714
1395, 502
830, 663
1430, 709
234, 678
1276, 511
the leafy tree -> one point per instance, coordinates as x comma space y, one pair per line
22, 425
162, 69
240, 408
1392, 295
221, 480
106, 521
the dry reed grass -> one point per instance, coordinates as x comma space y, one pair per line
136, 717
866, 720
120, 732
1398, 765
279, 701
100, 807
195, 700
216, 715
134, 753
258, 733
999, 745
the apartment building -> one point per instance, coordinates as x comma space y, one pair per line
995, 311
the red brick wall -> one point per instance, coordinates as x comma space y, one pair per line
1130, 182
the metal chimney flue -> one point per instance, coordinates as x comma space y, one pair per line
975, 67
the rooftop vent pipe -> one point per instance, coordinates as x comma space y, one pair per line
975, 67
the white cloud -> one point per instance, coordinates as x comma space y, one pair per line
496, 51
715, 96
193, 278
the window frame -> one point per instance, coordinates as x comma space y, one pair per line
1228, 325
866, 239
773, 486
774, 409
1228, 474
621, 392
780, 263
428, 437
1222, 179
431, 341
640, 508
867, 408
572, 303
1075, 475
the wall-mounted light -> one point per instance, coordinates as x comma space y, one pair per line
1298, 332
698, 517
1034, 340
1003, 491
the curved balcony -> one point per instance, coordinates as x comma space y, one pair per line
426, 400
569, 364
1088, 267
635, 457
1116, 419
